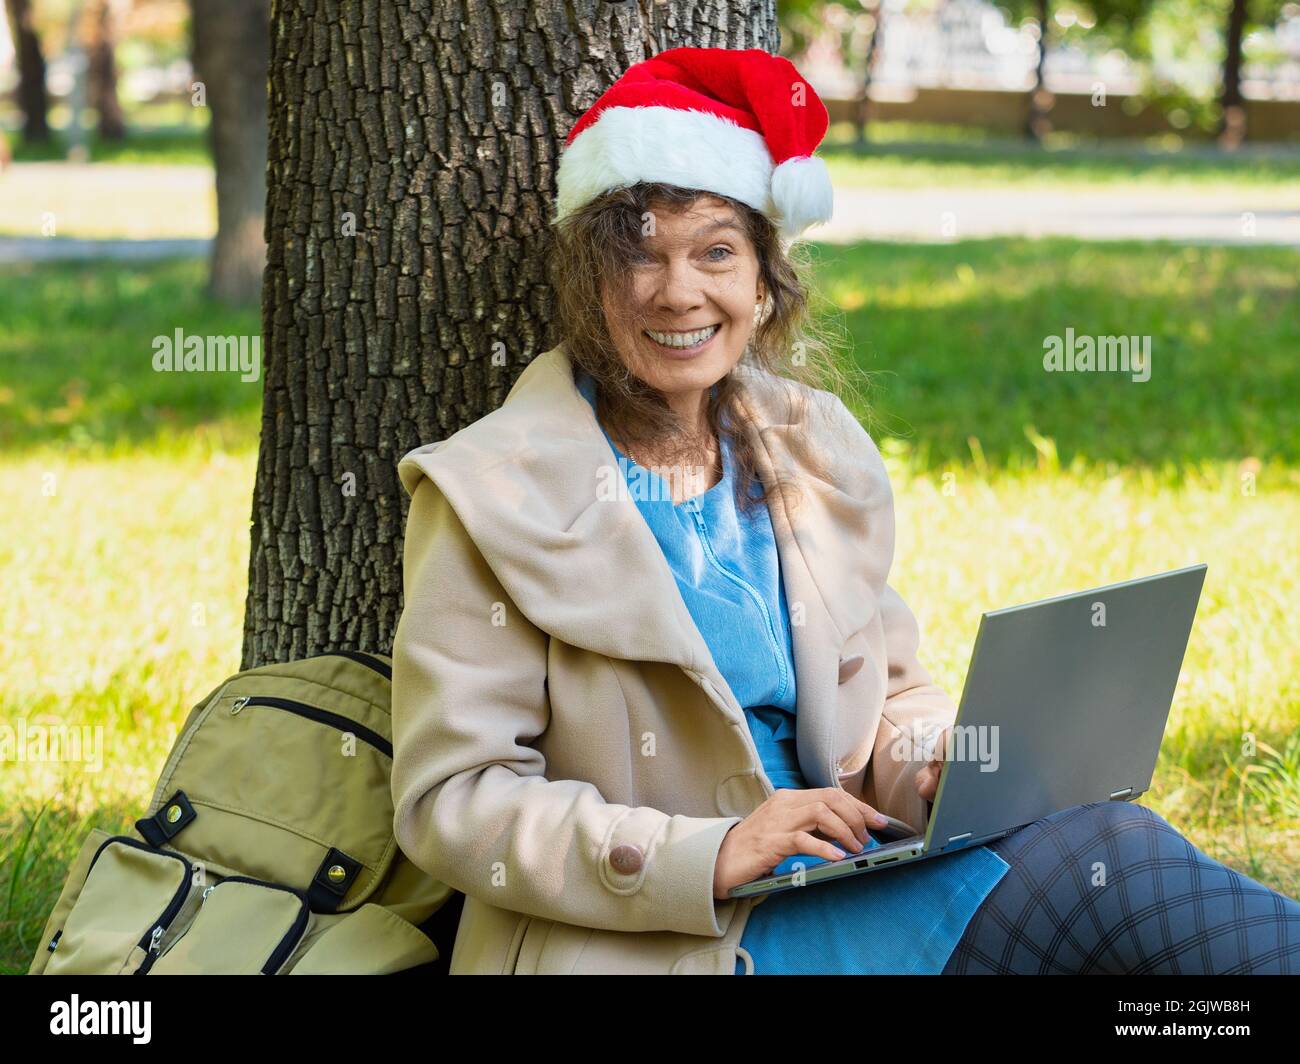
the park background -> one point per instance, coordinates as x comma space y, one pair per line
1136, 176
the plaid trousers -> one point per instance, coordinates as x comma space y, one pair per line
1111, 888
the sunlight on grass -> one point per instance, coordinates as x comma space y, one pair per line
103, 201
108, 576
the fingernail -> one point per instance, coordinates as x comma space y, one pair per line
881, 819
838, 853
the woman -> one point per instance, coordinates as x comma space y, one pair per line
649, 651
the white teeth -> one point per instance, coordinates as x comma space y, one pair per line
687, 339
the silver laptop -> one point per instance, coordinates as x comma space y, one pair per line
1065, 703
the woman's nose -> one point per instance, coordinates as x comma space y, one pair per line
680, 290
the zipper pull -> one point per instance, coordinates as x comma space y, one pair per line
155, 938
240, 703
207, 892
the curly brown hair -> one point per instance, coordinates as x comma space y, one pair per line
596, 248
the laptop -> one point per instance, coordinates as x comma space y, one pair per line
1065, 703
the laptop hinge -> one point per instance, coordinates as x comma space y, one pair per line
1123, 795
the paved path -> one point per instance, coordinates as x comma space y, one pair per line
37, 249
1251, 216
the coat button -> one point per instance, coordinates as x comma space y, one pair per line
849, 667
626, 859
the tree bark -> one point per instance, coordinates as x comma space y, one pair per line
33, 100
1232, 120
413, 149
230, 59
101, 48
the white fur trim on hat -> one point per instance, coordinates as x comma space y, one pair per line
802, 193
688, 148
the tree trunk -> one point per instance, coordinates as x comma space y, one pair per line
1232, 120
413, 149
32, 98
862, 106
231, 46
1037, 124
101, 47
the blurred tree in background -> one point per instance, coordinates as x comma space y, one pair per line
231, 45
32, 98
100, 27
1147, 32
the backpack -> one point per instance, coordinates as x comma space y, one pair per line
268, 846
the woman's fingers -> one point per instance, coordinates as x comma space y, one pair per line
858, 815
822, 815
802, 842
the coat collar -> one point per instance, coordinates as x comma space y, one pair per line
524, 481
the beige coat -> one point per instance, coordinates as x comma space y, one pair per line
566, 752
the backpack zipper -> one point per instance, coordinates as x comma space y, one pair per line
321, 716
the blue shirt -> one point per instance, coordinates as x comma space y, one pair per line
901, 920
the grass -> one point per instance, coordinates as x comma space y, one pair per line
50, 201
78, 340
164, 135
124, 538
163, 162
899, 155
953, 336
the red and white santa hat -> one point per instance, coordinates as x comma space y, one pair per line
742, 123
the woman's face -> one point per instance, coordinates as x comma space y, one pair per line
698, 287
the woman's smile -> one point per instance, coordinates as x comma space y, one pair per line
683, 344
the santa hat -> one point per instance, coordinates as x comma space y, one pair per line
738, 122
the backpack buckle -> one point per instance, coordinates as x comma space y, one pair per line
332, 879
172, 816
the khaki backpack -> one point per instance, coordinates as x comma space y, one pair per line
268, 846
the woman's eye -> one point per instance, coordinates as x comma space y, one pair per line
719, 247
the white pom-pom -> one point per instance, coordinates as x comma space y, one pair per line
802, 194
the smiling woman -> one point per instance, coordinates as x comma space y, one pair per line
610, 709
663, 290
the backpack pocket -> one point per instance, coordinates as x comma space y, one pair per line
131, 895
370, 940
244, 926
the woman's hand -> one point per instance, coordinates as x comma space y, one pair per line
927, 780
782, 827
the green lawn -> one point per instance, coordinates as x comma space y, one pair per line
89, 383
900, 155
124, 538
165, 134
